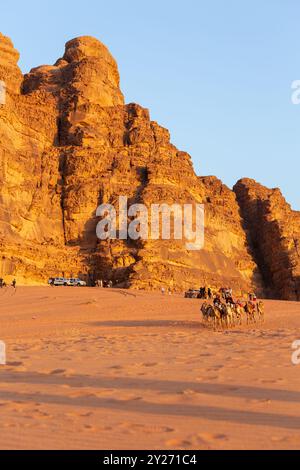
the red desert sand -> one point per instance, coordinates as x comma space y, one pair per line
111, 369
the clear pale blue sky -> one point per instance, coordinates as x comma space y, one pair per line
216, 73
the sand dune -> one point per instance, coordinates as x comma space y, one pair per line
89, 368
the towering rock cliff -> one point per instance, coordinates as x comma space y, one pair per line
275, 234
69, 143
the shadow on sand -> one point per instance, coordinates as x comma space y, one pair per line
212, 413
148, 324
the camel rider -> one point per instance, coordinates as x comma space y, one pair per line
217, 301
252, 297
229, 300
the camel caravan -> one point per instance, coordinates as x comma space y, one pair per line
223, 312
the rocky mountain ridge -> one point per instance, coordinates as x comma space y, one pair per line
68, 142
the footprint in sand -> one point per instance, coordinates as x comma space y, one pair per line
14, 364
178, 444
205, 440
278, 439
42, 415
147, 429
73, 415
214, 369
134, 398
269, 381
82, 394
57, 371
257, 401
90, 428
208, 438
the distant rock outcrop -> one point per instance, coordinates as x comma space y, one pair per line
275, 234
69, 143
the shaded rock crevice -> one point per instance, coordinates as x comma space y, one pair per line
275, 234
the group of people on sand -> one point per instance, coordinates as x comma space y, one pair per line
4, 284
224, 293
206, 293
224, 310
103, 283
227, 296
168, 291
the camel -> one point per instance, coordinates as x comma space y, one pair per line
250, 312
204, 311
211, 313
238, 310
260, 307
227, 315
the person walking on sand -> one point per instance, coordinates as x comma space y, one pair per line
14, 284
163, 291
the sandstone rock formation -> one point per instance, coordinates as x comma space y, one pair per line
69, 143
274, 230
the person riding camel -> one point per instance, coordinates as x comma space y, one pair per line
229, 300
217, 301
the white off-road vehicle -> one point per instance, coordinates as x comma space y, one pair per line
57, 281
75, 282
62, 281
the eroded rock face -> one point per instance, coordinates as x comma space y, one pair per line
69, 143
275, 233
9, 70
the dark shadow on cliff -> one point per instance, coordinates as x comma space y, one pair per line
262, 235
97, 254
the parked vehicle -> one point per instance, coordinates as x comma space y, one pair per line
57, 281
75, 282
192, 294
62, 281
